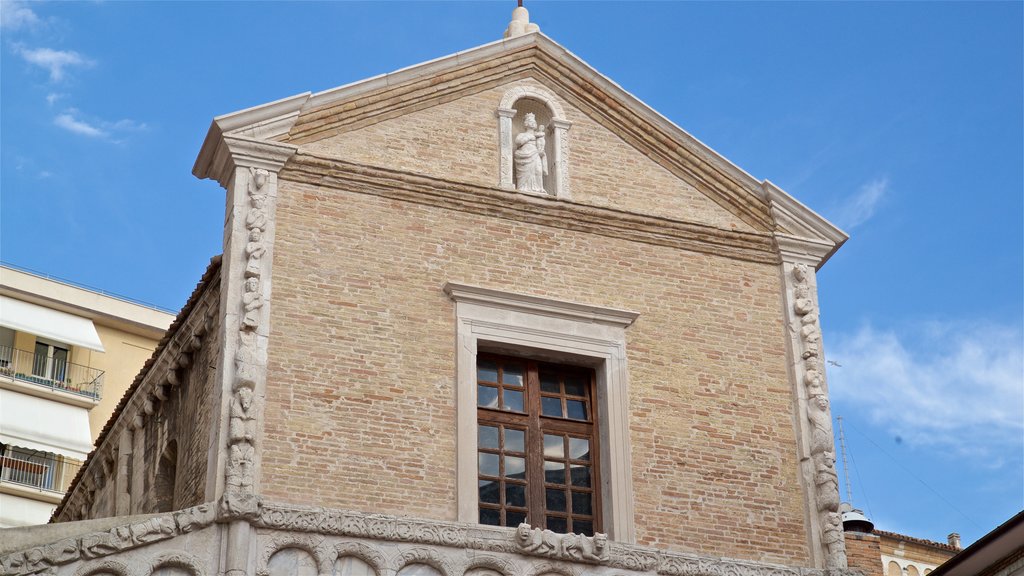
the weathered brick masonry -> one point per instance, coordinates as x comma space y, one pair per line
361, 365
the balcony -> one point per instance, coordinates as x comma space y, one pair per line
45, 473
51, 372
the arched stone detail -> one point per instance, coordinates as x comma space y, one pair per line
102, 568
310, 544
553, 569
367, 554
557, 180
537, 93
181, 560
427, 556
500, 565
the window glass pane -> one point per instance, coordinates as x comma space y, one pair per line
577, 410
486, 397
579, 448
549, 382
490, 516
556, 524
515, 440
515, 467
554, 499
487, 437
512, 375
514, 518
575, 385
486, 370
554, 472
581, 503
488, 464
580, 475
554, 446
513, 400
585, 527
489, 491
515, 495
551, 406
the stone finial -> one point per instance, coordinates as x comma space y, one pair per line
520, 23
954, 540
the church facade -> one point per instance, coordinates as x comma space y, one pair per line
485, 315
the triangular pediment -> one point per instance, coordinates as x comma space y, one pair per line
439, 119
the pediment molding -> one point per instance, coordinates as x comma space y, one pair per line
306, 117
328, 173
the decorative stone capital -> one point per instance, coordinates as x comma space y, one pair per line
560, 124
801, 235
506, 113
218, 161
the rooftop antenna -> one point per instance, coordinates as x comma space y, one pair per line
854, 520
846, 469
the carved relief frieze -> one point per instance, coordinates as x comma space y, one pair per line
819, 417
240, 497
574, 547
446, 564
104, 568
181, 560
314, 545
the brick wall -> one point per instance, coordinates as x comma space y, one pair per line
862, 553
459, 140
360, 407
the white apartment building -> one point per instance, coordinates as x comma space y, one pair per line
67, 355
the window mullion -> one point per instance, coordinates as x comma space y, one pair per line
535, 450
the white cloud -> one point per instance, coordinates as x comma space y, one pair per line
52, 97
952, 386
860, 207
15, 14
73, 121
54, 61
68, 122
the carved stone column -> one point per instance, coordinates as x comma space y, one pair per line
816, 447
138, 453
247, 169
505, 116
560, 163
122, 495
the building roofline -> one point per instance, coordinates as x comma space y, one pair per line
987, 550
915, 540
102, 307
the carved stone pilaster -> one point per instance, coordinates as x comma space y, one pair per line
248, 169
814, 418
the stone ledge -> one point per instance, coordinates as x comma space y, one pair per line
454, 548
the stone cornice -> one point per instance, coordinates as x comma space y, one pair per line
329, 173
222, 153
802, 235
538, 305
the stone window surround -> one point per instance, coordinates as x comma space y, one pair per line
551, 330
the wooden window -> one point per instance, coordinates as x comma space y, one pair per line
537, 445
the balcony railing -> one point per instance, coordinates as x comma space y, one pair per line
43, 473
51, 373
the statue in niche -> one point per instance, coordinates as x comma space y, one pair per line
530, 159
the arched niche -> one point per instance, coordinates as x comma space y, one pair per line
352, 566
419, 569
514, 136
164, 483
292, 562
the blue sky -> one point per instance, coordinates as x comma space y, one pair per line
900, 122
